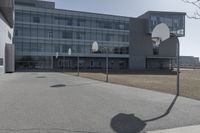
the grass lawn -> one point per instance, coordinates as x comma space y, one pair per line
158, 81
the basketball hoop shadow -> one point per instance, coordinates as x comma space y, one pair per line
129, 123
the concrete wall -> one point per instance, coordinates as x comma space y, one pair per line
141, 45
9, 58
4, 29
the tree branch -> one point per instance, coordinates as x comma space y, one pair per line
195, 3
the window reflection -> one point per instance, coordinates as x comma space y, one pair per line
174, 22
39, 33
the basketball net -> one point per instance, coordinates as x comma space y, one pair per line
156, 42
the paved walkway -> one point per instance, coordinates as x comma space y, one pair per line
189, 129
58, 103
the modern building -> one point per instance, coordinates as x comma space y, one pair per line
44, 34
189, 62
6, 35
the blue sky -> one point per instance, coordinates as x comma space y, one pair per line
133, 8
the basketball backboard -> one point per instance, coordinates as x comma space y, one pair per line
95, 46
160, 33
69, 51
57, 55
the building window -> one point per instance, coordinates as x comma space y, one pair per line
108, 37
99, 64
1, 61
36, 19
16, 33
67, 34
91, 63
107, 25
121, 26
25, 4
126, 26
69, 21
80, 35
124, 50
174, 22
50, 34
124, 38
80, 22
9, 35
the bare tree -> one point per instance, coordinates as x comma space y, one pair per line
196, 4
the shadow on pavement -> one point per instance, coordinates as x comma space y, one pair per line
58, 85
40, 77
71, 85
166, 113
129, 123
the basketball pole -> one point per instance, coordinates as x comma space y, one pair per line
178, 67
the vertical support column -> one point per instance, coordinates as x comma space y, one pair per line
9, 58
78, 65
52, 62
63, 62
146, 63
171, 65
107, 66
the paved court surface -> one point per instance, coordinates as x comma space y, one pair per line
58, 103
188, 129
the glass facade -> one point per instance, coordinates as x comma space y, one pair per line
40, 33
175, 22
43, 36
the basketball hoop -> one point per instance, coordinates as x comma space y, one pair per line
95, 46
159, 34
156, 41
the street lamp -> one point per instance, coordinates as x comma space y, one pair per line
95, 48
161, 33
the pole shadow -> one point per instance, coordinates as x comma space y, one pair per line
129, 123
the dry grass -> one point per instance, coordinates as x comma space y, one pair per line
158, 81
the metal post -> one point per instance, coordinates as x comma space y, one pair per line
106, 64
63, 63
178, 67
78, 65
52, 63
